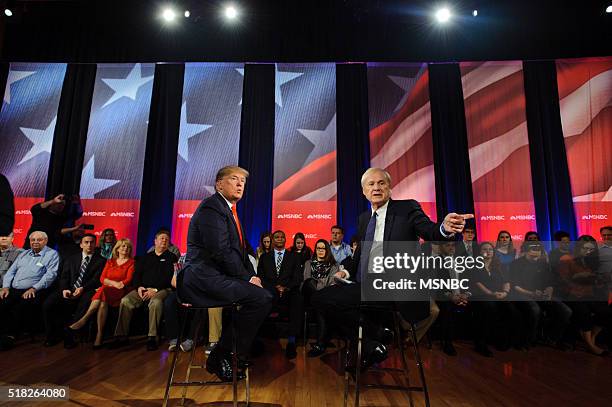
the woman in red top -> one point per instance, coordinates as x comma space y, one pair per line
116, 278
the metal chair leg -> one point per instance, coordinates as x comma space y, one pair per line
419, 363
358, 364
347, 377
174, 360
400, 348
234, 359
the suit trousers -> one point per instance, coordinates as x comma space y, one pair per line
59, 311
132, 301
15, 311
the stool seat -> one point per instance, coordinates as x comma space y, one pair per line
188, 308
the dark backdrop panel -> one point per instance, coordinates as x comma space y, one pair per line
257, 149
158, 182
353, 156
550, 175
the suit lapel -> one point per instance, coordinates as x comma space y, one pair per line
389, 221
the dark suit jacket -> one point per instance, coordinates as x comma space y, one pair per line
72, 267
460, 248
7, 207
213, 243
405, 221
289, 273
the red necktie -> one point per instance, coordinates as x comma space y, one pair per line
237, 223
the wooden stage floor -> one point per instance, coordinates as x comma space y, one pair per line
134, 377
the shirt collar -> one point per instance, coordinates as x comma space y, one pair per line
382, 211
226, 201
40, 253
276, 251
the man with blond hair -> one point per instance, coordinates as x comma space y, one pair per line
218, 270
24, 286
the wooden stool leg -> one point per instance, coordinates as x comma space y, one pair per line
358, 363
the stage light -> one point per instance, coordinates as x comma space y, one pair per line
230, 12
443, 15
8, 12
168, 14
187, 14
475, 13
609, 9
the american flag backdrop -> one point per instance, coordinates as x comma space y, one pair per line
494, 99
400, 130
27, 124
209, 136
304, 196
585, 98
111, 179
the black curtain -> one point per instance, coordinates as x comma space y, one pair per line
451, 155
352, 142
158, 181
70, 136
552, 193
257, 149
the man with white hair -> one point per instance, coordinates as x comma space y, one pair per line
24, 286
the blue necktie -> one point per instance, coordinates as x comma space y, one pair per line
79, 280
366, 247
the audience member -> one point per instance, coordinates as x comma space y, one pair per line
578, 274
562, 247
605, 251
300, 248
172, 248
319, 273
79, 279
492, 310
350, 262
279, 271
339, 248
152, 284
116, 278
24, 287
8, 253
173, 318
533, 293
505, 251
106, 244
51, 216
265, 245
468, 246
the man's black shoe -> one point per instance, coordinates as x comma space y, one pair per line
6, 342
51, 342
219, 365
316, 349
290, 351
376, 354
449, 349
386, 336
119, 343
151, 343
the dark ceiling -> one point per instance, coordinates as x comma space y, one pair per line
307, 30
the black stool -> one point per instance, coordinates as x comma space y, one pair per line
186, 309
398, 343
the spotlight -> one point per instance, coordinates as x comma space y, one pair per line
187, 14
168, 14
230, 12
475, 13
609, 9
8, 12
443, 15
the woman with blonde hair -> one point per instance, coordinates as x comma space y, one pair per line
116, 278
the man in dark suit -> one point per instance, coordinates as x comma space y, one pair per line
7, 207
218, 271
388, 221
468, 246
279, 271
80, 277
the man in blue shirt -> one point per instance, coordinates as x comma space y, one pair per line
24, 286
340, 250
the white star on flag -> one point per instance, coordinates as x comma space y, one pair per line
90, 185
13, 77
324, 140
280, 78
187, 131
406, 84
128, 86
42, 139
